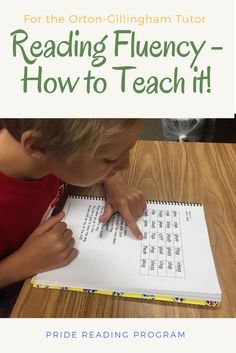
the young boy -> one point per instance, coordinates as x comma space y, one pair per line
37, 156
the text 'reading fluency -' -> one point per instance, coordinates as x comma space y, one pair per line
126, 42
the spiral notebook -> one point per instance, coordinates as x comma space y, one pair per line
173, 262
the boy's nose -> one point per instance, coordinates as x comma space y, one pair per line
123, 163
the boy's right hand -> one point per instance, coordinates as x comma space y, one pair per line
50, 246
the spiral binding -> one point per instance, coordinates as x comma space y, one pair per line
149, 202
173, 203
96, 198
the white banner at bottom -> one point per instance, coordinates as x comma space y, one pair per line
103, 335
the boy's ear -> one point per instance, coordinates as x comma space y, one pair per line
29, 141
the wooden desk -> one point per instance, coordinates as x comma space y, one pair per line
194, 172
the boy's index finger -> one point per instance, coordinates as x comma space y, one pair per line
50, 223
131, 223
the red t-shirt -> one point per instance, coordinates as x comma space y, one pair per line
23, 206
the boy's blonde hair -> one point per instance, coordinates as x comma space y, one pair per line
67, 137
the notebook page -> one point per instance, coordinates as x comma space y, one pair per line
174, 256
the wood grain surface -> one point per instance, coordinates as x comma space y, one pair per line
193, 172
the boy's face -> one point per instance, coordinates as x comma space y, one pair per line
86, 170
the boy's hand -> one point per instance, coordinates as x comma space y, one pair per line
50, 246
129, 202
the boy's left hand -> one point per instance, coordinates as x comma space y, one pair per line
129, 202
